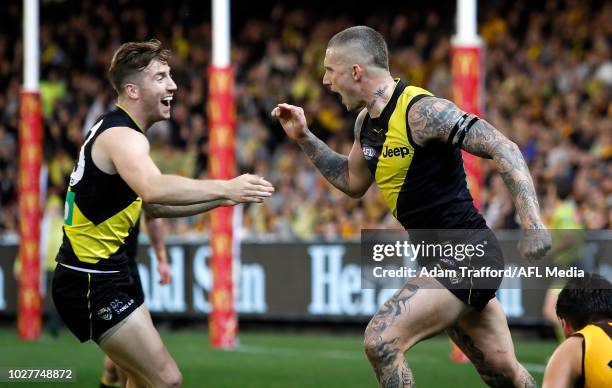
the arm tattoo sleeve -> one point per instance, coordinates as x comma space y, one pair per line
486, 141
435, 119
332, 165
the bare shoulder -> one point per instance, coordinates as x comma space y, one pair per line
119, 144
123, 138
571, 347
359, 122
432, 118
565, 365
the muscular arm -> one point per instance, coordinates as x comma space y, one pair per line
125, 151
167, 211
565, 365
433, 119
348, 174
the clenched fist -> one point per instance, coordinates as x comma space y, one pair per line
534, 243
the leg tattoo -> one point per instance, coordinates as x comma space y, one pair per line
386, 356
392, 308
389, 364
401, 377
489, 374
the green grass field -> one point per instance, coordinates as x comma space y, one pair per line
262, 360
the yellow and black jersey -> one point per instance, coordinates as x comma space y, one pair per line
425, 187
101, 209
597, 355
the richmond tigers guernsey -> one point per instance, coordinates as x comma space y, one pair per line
101, 209
597, 355
425, 187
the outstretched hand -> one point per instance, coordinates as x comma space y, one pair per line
292, 119
248, 188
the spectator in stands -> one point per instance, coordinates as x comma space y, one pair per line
547, 85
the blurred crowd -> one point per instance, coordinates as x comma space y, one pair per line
548, 88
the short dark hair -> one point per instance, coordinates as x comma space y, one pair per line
132, 58
371, 41
585, 300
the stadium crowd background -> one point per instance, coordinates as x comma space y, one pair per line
548, 88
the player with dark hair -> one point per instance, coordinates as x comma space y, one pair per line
584, 359
112, 180
410, 143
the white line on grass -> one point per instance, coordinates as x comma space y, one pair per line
346, 355
335, 354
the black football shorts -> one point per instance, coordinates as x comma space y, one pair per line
90, 304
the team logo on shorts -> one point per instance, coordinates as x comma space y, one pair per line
368, 152
449, 264
120, 306
105, 313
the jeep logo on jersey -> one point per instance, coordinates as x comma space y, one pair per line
105, 313
396, 151
368, 152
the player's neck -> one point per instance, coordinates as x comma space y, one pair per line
379, 93
136, 114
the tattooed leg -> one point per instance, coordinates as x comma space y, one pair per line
488, 374
389, 363
417, 311
386, 356
485, 339
392, 309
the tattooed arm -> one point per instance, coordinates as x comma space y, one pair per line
436, 119
348, 174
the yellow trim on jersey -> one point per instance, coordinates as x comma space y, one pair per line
129, 114
91, 243
391, 170
597, 356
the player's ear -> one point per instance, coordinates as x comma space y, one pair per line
131, 90
568, 330
356, 72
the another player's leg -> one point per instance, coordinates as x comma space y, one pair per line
136, 347
110, 377
421, 309
485, 338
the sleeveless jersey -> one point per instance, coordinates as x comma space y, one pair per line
101, 209
425, 187
597, 357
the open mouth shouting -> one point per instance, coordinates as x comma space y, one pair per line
166, 100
